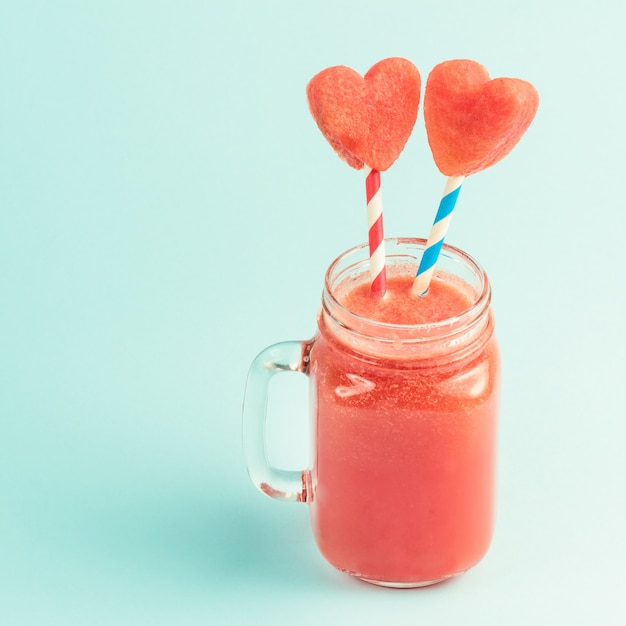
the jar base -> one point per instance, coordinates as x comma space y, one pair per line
404, 585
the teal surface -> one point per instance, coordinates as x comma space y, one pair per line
168, 209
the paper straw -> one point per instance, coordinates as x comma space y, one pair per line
376, 237
438, 232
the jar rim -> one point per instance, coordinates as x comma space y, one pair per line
353, 321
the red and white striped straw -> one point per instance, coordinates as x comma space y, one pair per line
376, 235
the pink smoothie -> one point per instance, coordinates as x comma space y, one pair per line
404, 473
443, 300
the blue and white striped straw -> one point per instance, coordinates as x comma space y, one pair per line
438, 232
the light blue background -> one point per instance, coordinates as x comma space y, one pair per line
168, 208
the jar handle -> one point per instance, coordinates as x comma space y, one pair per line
287, 356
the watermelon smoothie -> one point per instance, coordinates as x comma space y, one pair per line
404, 401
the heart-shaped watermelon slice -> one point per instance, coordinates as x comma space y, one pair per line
366, 119
473, 121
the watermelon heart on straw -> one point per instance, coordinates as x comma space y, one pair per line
368, 120
472, 122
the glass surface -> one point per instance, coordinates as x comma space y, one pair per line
404, 416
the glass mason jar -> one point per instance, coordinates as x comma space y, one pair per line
401, 487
